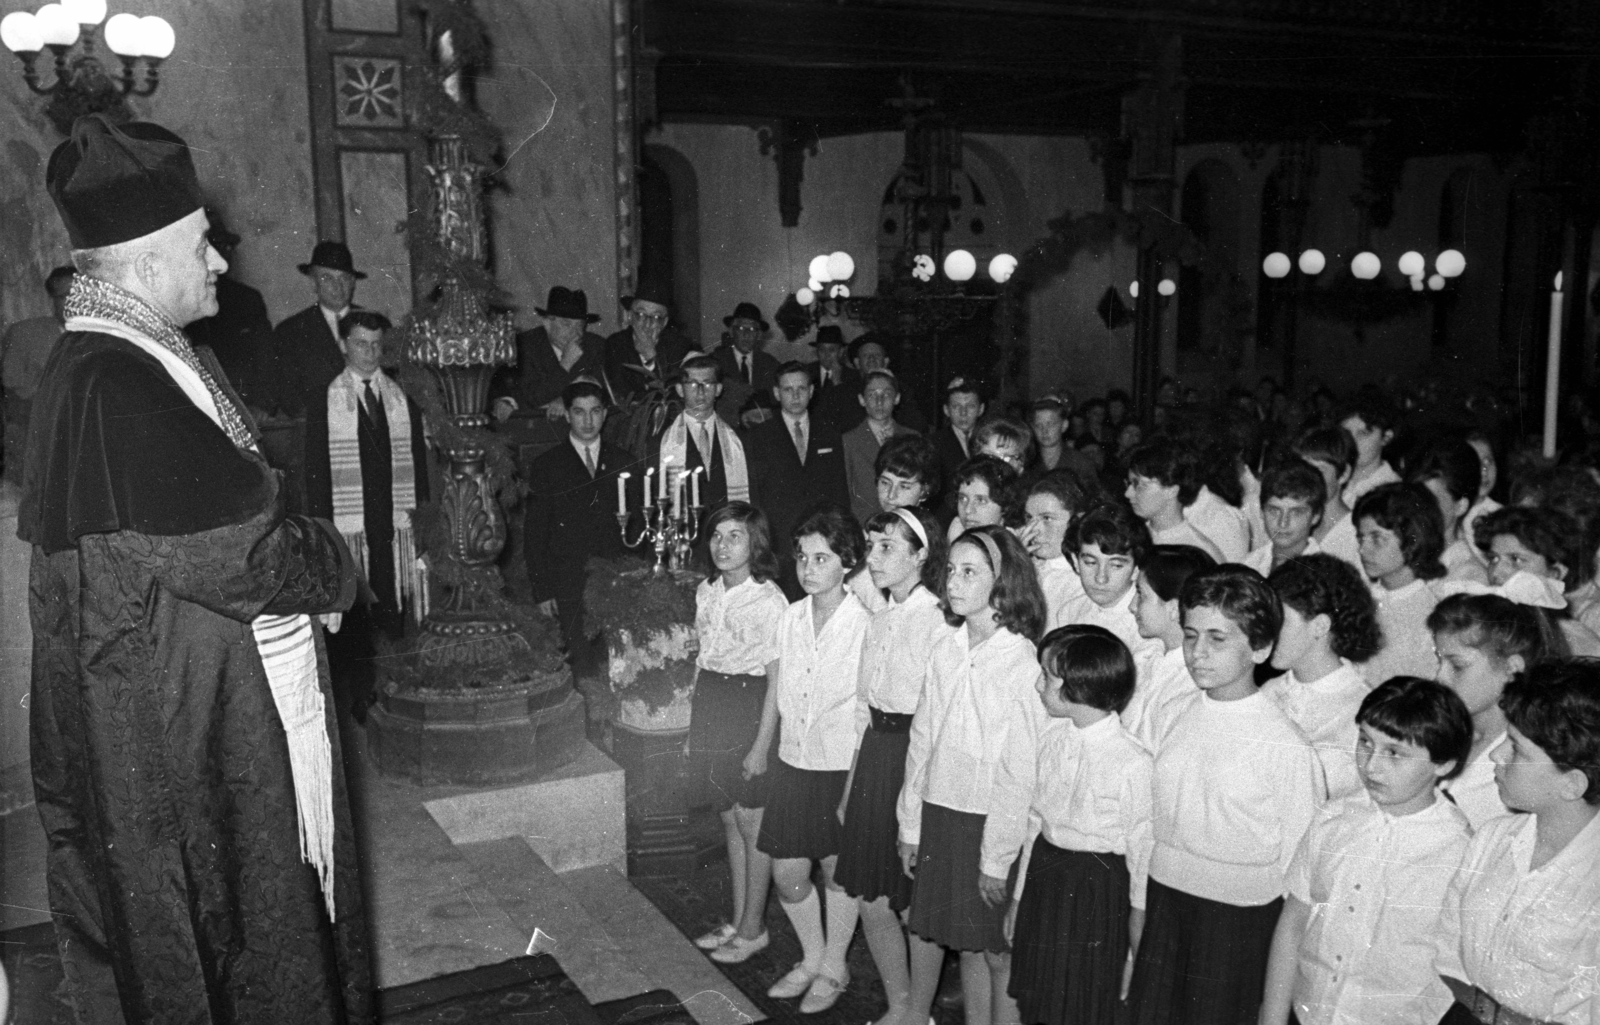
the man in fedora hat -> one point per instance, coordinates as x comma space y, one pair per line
201, 863
550, 357
648, 350
308, 351
748, 373
836, 403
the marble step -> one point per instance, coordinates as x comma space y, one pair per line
610, 940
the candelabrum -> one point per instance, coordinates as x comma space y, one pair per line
669, 525
82, 85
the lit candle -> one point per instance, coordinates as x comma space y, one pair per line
677, 495
666, 471
648, 474
622, 493
694, 485
1552, 371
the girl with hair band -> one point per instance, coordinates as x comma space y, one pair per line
905, 556
970, 773
1484, 641
1163, 682
737, 611
816, 698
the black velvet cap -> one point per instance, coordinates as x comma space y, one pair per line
114, 183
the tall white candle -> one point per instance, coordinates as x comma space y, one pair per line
694, 484
666, 471
622, 493
1552, 371
677, 495
648, 475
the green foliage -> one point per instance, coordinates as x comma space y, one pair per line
622, 594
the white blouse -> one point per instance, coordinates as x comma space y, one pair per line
1059, 581
1225, 526
1474, 790
1529, 937
1340, 542
819, 723
973, 741
1093, 794
894, 658
1376, 885
1185, 534
1407, 645
1162, 690
1118, 618
1325, 710
738, 626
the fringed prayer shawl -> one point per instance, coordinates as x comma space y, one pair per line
345, 396
675, 444
286, 644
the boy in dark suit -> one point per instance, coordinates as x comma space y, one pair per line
783, 483
569, 515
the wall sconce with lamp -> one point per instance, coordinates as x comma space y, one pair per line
81, 84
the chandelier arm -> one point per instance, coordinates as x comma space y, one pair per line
152, 77
30, 73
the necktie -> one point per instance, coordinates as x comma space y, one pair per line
702, 442
588, 460
800, 442
744, 369
373, 403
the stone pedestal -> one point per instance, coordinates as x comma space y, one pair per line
480, 735
659, 842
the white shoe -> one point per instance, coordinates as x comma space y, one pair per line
792, 985
716, 937
823, 993
739, 949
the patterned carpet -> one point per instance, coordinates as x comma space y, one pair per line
699, 902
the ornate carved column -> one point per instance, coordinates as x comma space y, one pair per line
1152, 124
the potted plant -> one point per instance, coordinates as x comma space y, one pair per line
648, 621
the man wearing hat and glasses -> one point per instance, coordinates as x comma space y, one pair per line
309, 353
201, 864
550, 357
648, 350
748, 373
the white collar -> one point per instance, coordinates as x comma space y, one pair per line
804, 420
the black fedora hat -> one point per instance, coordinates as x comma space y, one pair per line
829, 334
747, 311
333, 256
650, 292
567, 304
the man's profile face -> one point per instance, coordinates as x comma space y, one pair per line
336, 289
746, 333
363, 350
699, 390
187, 269
586, 415
793, 392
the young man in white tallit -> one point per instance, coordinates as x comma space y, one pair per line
370, 479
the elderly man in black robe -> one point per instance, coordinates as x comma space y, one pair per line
201, 866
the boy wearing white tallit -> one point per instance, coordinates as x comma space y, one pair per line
373, 475
699, 438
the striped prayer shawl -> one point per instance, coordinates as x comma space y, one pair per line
345, 395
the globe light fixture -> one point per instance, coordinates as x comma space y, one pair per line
839, 292
1002, 267
818, 269
1133, 289
840, 266
1276, 265
1436, 282
1166, 287
1312, 262
805, 297
82, 85
1450, 263
1412, 264
960, 265
922, 268
1366, 266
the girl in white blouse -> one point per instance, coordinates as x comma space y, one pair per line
737, 613
1080, 893
905, 555
815, 697
970, 773
1164, 683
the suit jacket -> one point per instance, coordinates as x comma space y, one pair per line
784, 489
622, 358
838, 405
308, 359
714, 485
240, 336
950, 459
570, 517
737, 395
319, 475
860, 468
539, 377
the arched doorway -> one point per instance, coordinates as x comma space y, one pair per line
669, 233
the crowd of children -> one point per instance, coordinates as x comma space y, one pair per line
1247, 733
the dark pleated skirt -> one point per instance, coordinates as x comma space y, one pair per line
1200, 962
1071, 939
802, 814
946, 906
723, 723
869, 852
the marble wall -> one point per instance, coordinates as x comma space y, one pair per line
235, 89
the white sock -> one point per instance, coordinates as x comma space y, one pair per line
842, 914
806, 917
